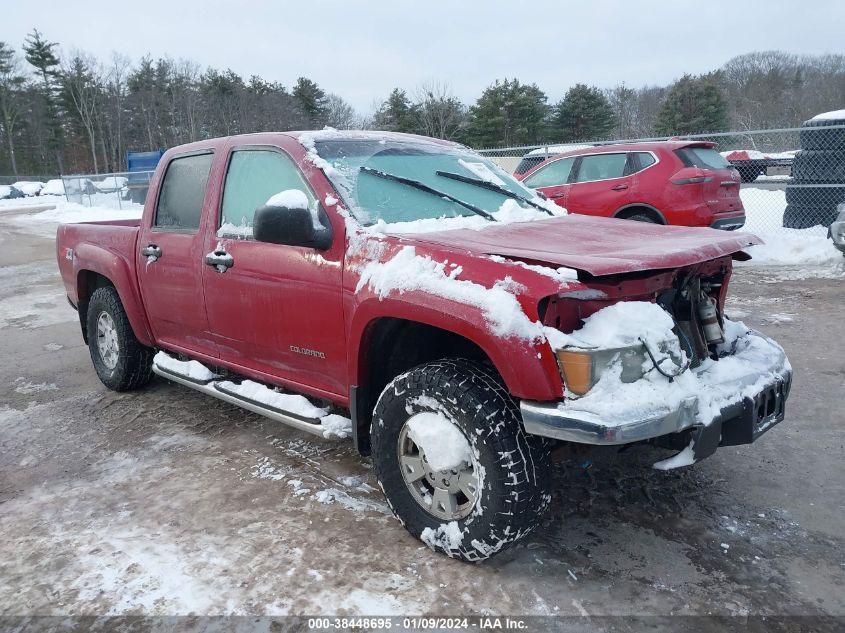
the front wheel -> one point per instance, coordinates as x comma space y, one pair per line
122, 363
453, 460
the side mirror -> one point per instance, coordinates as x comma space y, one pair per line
289, 225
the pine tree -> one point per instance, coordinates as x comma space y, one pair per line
507, 113
396, 113
693, 105
313, 101
11, 83
39, 53
584, 114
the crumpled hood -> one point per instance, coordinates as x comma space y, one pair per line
599, 246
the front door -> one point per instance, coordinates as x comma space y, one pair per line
170, 255
277, 309
553, 180
601, 185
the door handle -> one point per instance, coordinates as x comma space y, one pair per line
558, 195
151, 250
619, 188
220, 260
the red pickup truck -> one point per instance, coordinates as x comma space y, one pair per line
409, 293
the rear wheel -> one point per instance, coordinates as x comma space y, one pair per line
453, 461
121, 362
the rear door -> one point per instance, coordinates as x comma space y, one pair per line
601, 184
552, 179
170, 255
721, 191
277, 310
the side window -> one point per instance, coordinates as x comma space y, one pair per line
645, 159
601, 167
555, 173
182, 193
254, 176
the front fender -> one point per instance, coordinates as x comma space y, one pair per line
527, 367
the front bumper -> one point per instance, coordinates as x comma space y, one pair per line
740, 420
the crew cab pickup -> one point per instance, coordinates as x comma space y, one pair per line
408, 293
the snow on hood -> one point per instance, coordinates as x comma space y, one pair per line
599, 246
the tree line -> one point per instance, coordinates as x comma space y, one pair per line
77, 114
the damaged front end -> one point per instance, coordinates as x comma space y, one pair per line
704, 382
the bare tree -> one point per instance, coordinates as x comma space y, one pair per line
341, 115
81, 84
11, 83
439, 112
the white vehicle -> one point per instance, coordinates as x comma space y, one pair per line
111, 184
29, 187
55, 187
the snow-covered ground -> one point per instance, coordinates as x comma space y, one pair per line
784, 247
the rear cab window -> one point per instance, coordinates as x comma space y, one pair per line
182, 193
702, 157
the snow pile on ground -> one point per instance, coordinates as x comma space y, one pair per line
406, 271
443, 444
190, 369
752, 361
70, 212
792, 247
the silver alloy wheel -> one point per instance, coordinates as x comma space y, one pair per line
107, 340
450, 495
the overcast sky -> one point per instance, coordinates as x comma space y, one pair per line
361, 49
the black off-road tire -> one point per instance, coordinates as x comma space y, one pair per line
818, 135
815, 196
134, 364
823, 166
515, 487
805, 216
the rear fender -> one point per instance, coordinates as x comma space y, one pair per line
121, 273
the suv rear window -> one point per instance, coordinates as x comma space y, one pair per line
183, 192
702, 157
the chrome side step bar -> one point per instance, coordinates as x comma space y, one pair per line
309, 425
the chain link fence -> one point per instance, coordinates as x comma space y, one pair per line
119, 190
791, 178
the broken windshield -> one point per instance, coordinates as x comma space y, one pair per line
372, 197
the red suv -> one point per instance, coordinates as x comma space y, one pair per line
671, 182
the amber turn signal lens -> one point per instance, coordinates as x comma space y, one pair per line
577, 369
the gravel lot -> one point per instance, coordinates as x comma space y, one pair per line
167, 502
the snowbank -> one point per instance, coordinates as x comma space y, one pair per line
70, 212
783, 247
